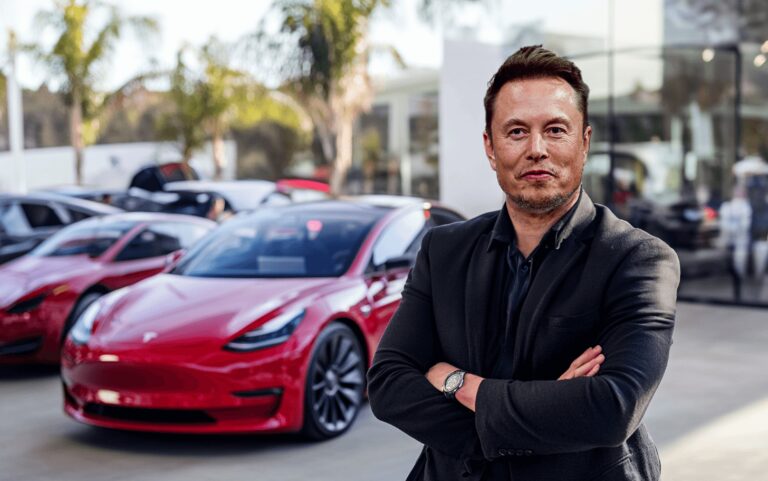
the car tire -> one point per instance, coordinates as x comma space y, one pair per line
80, 307
335, 383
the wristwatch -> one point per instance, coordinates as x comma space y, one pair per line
453, 383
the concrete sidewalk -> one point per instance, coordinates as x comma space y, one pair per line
710, 414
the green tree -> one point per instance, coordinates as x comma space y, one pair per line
215, 97
184, 124
76, 60
321, 54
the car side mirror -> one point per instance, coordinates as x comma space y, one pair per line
399, 262
172, 259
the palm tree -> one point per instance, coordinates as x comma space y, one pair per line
184, 124
212, 99
75, 61
321, 53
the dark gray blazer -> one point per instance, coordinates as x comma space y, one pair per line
607, 283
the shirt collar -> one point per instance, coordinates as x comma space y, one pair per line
504, 231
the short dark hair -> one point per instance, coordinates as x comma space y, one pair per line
535, 62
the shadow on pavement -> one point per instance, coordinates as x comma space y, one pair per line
166, 444
23, 372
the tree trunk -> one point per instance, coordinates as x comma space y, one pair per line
218, 155
76, 134
343, 160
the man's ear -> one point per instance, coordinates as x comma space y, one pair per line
587, 138
587, 141
488, 145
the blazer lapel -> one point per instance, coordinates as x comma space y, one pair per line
479, 308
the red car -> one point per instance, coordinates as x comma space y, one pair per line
267, 325
42, 293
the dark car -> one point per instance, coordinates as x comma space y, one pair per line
267, 325
27, 220
153, 178
43, 292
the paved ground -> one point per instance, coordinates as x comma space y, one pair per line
710, 418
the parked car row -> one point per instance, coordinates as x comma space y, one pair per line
267, 323
27, 220
176, 188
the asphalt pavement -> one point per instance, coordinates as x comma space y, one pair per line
709, 418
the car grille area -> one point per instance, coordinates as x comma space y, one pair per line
21, 347
146, 415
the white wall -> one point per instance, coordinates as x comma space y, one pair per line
106, 166
467, 181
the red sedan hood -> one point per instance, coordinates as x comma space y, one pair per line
171, 310
27, 273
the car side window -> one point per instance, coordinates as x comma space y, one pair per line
12, 220
41, 215
153, 241
442, 216
186, 233
402, 237
76, 215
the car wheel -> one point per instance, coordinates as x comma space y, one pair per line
335, 383
80, 307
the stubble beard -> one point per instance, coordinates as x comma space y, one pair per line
542, 206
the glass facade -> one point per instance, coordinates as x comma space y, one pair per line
678, 149
424, 145
396, 144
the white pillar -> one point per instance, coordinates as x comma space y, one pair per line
16, 120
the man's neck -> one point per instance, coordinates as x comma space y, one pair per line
530, 227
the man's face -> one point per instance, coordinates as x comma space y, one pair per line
539, 145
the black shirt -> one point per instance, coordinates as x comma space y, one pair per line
516, 275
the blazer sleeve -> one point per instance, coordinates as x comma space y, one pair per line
548, 417
398, 390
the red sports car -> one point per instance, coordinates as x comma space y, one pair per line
268, 324
42, 293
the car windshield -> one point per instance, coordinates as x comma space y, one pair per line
91, 238
280, 243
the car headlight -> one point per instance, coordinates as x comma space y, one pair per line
81, 331
27, 305
271, 333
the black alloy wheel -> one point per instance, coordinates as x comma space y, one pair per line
335, 383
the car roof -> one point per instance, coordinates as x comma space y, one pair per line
391, 201
141, 217
364, 206
224, 186
82, 204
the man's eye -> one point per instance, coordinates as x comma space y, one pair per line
557, 130
517, 131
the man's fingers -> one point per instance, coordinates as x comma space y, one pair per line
593, 371
587, 355
588, 366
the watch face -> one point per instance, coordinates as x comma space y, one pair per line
452, 382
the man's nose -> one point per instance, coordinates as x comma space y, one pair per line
537, 147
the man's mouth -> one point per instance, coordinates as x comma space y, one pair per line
537, 174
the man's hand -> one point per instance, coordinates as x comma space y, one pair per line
585, 365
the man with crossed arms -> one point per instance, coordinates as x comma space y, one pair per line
484, 361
